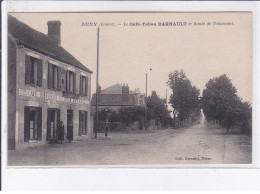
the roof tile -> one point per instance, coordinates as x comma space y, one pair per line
36, 40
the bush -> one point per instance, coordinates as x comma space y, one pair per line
130, 114
122, 118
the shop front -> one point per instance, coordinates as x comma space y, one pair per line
39, 114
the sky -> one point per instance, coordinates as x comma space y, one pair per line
127, 53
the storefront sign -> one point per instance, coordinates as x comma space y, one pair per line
29, 93
50, 96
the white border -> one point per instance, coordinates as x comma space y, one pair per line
125, 178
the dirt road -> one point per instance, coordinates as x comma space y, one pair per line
195, 145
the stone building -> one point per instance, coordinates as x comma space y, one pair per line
46, 84
118, 96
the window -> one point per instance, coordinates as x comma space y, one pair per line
83, 122
83, 85
33, 71
70, 81
32, 123
54, 77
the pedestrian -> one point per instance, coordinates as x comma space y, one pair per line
70, 131
61, 132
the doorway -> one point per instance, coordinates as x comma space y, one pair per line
83, 122
53, 119
70, 124
32, 123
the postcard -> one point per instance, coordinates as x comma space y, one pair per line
129, 88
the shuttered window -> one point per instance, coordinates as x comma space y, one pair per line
84, 85
54, 77
70, 82
62, 74
33, 71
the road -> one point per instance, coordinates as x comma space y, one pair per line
195, 145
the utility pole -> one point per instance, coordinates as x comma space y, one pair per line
146, 102
166, 99
97, 88
146, 119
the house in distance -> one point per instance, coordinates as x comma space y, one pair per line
118, 96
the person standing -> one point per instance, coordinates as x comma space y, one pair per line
61, 132
107, 123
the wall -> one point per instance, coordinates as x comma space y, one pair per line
34, 96
11, 93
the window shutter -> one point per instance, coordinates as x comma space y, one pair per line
58, 117
80, 122
80, 85
39, 124
39, 72
48, 137
59, 78
26, 124
86, 87
74, 83
63, 79
67, 81
50, 76
86, 122
27, 69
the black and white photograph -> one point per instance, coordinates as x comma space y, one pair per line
129, 88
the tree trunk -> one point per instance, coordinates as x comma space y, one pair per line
228, 128
174, 119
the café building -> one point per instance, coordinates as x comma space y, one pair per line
46, 85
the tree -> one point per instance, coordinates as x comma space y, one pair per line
185, 97
157, 108
125, 115
221, 104
129, 115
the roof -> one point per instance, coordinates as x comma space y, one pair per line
40, 42
114, 89
112, 96
114, 100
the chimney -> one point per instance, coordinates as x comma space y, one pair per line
54, 31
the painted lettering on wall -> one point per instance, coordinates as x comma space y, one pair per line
50, 96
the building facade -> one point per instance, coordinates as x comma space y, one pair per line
46, 85
118, 96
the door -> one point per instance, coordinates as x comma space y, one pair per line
32, 123
70, 124
53, 119
83, 122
